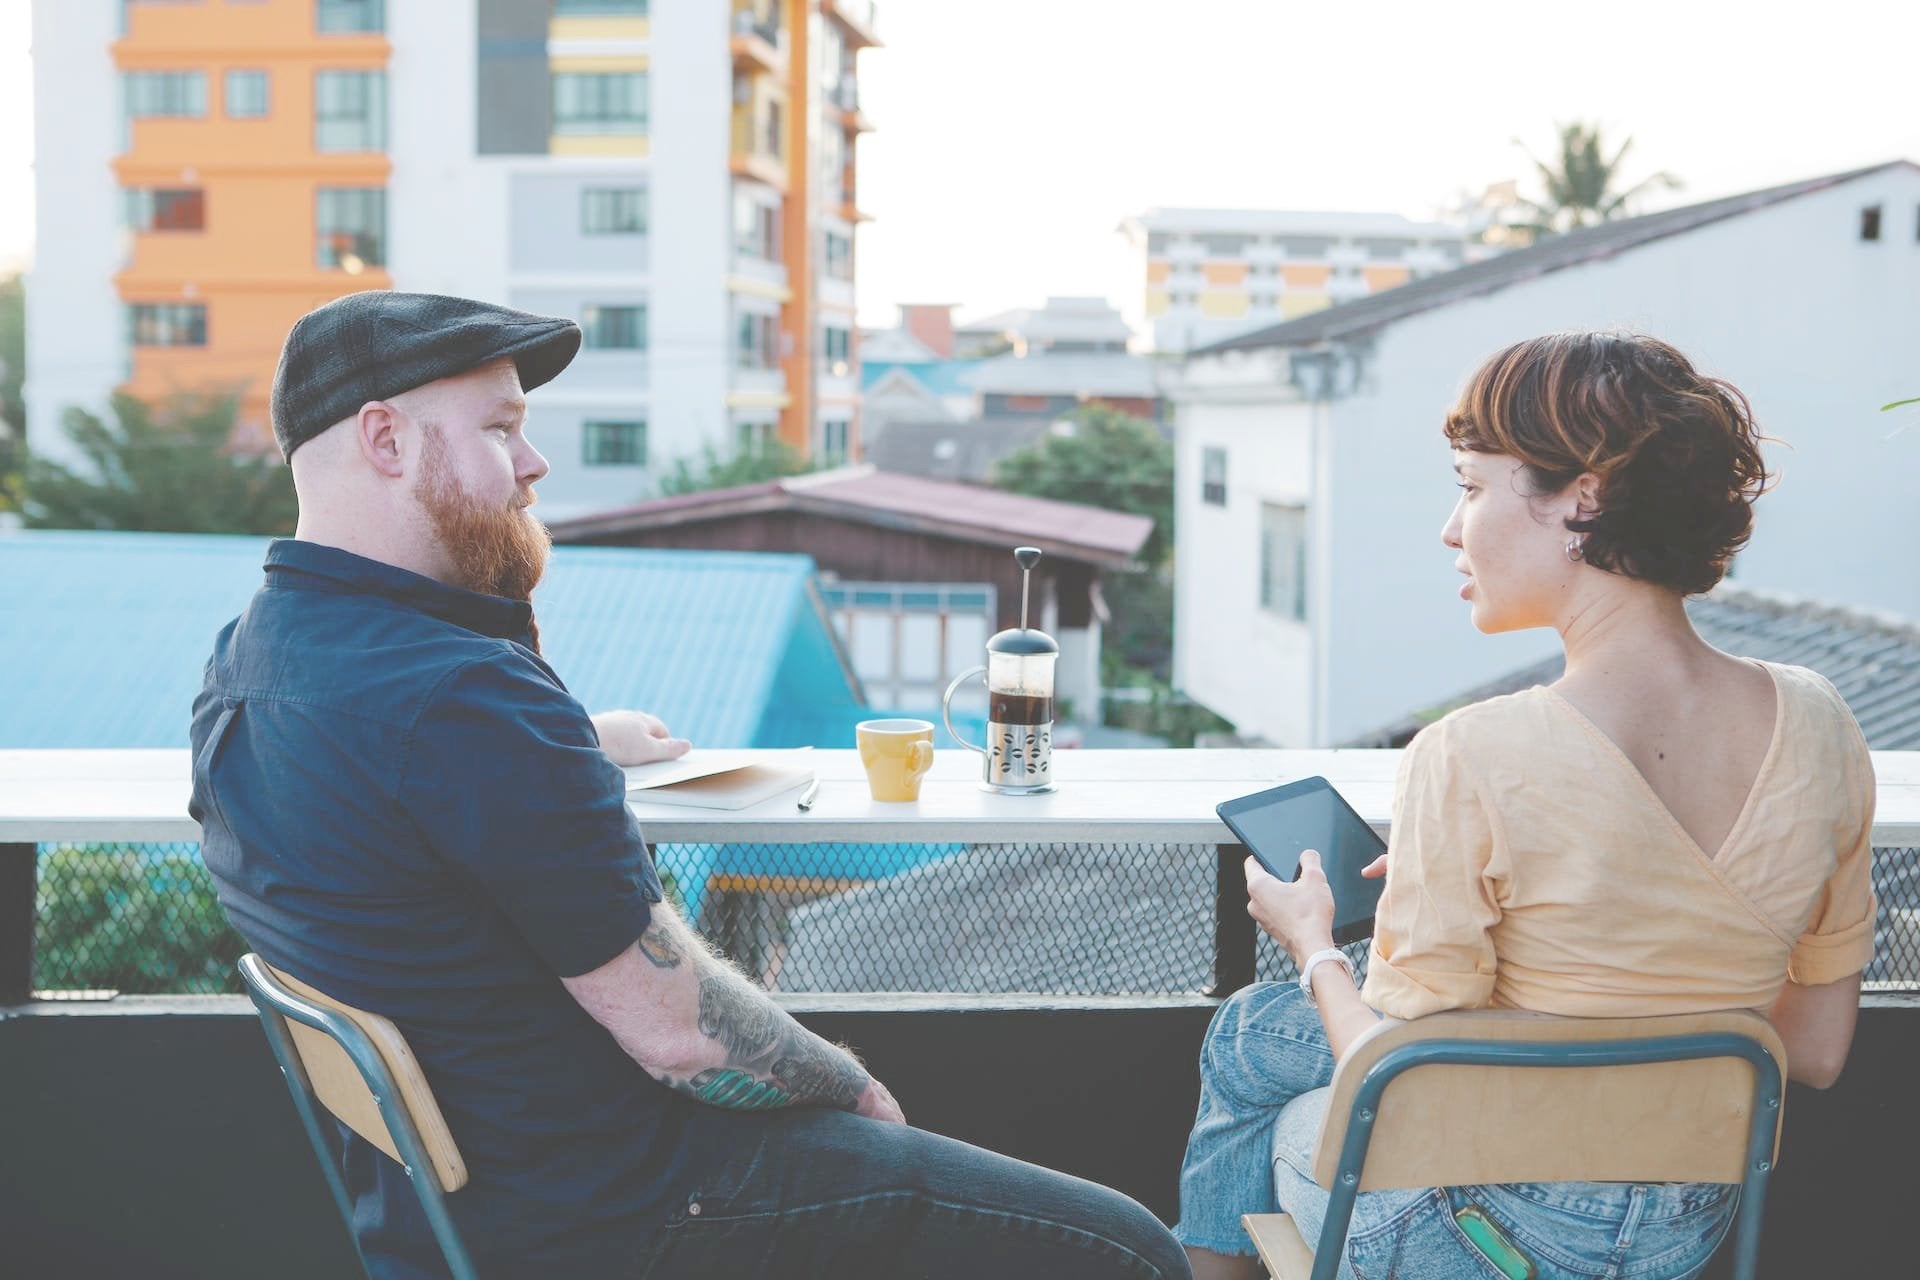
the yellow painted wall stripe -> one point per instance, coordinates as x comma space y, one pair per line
616, 28
759, 288
593, 144
758, 399
598, 62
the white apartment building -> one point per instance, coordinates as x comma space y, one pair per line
676, 175
1314, 600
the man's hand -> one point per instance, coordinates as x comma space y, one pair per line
878, 1104
1297, 915
634, 737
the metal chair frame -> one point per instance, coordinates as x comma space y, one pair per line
276, 1004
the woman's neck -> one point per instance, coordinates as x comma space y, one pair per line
1630, 626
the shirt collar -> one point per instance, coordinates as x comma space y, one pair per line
315, 566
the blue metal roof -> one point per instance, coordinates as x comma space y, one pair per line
104, 636
939, 377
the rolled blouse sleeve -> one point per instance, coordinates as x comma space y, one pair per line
1432, 945
1838, 939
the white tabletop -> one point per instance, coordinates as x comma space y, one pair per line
1155, 796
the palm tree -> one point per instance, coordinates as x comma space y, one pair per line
1580, 183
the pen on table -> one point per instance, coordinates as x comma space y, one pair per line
806, 797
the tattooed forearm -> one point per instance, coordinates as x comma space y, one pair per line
658, 946
738, 1090
740, 1018
771, 1060
821, 1072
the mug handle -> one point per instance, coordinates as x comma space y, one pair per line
921, 760
946, 707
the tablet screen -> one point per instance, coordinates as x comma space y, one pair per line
1277, 825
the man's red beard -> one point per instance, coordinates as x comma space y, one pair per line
501, 551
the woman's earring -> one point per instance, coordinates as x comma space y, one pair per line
1576, 549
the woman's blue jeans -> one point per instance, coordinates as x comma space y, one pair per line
1264, 1071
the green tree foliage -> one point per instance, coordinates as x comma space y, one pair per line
13, 373
135, 920
711, 471
166, 468
1110, 460
1583, 183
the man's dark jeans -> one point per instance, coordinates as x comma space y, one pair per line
823, 1193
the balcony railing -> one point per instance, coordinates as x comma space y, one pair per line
883, 926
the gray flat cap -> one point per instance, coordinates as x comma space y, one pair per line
376, 344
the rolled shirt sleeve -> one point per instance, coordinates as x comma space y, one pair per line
1432, 945
507, 783
1838, 939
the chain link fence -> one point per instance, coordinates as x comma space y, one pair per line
1059, 919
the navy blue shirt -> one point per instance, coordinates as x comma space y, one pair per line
404, 807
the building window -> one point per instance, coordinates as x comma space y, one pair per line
756, 228
756, 347
167, 324
839, 256
350, 15
1308, 248
1213, 477
1283, 560
601, 8
833, 440
1870, 222
350, 111
246, 95
613, 211
161, 209
179, 95
753, 438
615, 444
614, 328
351, 228
837, 345
598, 102
1224, 246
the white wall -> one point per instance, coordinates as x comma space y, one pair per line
1818, 329
447, 224
76, 327
691, 334
1252, 667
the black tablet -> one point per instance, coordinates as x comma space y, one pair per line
1277, 825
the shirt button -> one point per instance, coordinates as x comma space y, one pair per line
694, 1209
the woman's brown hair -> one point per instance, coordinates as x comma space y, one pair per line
1676, 452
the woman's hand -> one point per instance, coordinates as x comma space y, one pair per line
634, 737
1375, 869
1297, 915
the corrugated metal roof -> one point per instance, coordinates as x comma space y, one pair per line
104, 637
1377, 310
938, 377
937, 507
1069, 373
1872, 658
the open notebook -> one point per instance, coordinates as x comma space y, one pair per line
720, 779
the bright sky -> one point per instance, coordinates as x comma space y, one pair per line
1014, 135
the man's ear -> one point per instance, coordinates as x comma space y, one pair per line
377, 431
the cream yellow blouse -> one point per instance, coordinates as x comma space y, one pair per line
1533, 867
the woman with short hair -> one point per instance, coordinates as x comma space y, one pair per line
1666, 829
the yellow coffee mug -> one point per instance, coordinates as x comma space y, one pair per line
896, 755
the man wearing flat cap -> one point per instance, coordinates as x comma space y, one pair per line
403, 807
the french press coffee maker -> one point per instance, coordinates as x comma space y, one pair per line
1019, 672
